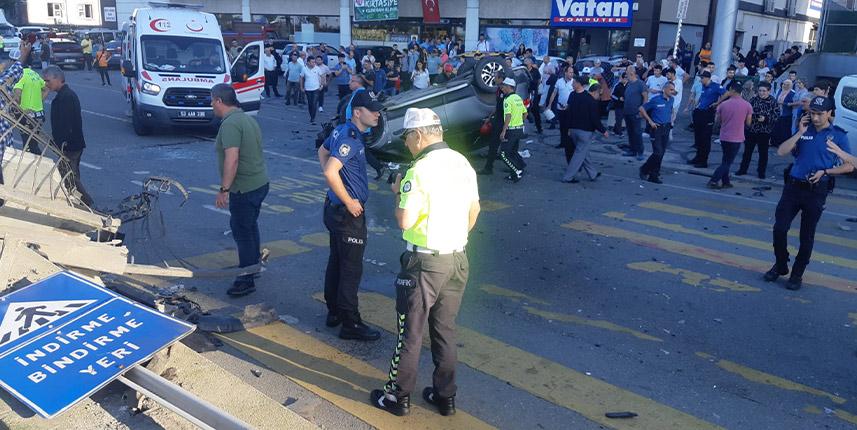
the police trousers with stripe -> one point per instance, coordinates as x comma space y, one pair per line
428, 292
345, 264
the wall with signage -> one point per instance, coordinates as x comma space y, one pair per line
376, 10
592, 13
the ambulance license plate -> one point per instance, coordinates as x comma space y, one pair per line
192, 114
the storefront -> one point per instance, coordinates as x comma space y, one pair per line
401, 30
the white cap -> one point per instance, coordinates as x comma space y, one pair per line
587, 70
510, 82
15, 54
419, 117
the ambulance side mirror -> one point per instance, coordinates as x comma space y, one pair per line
128, 69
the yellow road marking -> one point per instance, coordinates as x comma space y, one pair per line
606, 325
546, 379
853, 317
845, 416
316, 239
228, 257
760, 377
695, 279
499, 291
842, 201
812, 409
267, 208
492, 206
678, 210
798, 299
729, 238
337, 377
733, 207
720, 257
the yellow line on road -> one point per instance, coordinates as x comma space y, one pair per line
692, 278
320, 239
229, 257
588, 396
606, 325
729, 238
760, 377
338, 377
714, 256
678, 210
492, 206
503, 292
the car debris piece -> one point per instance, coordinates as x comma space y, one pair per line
620, 415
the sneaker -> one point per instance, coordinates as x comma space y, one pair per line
445, 405
641, 157
333, 319
514, 177
597, 175
713, 185
572, 181
655, 180
321, 108
643, 174
389, 403
525, 153
775, 272
241, 287
358, 331
629, 154
794, 283
727, 186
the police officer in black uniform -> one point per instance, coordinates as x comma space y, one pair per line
807, 182
496, 127
343, 161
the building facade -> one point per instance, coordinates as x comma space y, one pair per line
64, 13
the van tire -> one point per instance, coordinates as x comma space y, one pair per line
483, 72
140, 128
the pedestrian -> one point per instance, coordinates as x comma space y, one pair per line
765, 112
514, 115
703, 119
324, 74
9, 75
86, 48
636, 95
563, 88
342, 76
420, 77
433, 66
30, 91
293, 79
584, 121
483, 45
243, 180
234, 49
437, 205
535, 81
730, 77
101, 62
67, 131
496, 121
808, 181
380, 81
618, 100
734, 114
269, 63
741, 70
785, 99
394, 81
343, 161
658, 113
368, 57
46, 53
678, 89
656, 81
311, 82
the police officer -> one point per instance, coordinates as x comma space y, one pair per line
514, 114
496, 126
658, 113
437, 204
807, 183
703, 119
343, 161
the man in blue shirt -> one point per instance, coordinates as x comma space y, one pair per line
703, 119
341, 76
343, 161
808, 181
658, 112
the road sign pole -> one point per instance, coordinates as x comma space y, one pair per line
171, 396
682, 13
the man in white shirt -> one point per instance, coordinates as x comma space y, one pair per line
741, 70
324, 72
269, 63
483, 45
368, 57
311, 83
680, 74
656, 82
596, 68
561, 93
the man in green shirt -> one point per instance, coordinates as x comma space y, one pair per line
86, 47
244, 180
30, 91
514, 114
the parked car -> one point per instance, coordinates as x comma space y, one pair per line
463, 104
27, 29
66, 52
846, 104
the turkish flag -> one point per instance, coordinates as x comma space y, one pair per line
431, 12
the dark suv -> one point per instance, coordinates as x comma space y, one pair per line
66, 52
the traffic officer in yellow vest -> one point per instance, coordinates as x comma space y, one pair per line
30, 91
437, 203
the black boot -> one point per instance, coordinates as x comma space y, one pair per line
399, 407
353, 328
333, 319
445, 405
775, 272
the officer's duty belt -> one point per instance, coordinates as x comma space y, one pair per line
414, 248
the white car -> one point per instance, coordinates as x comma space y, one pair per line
846, 106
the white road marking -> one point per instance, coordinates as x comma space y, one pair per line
103, 115
291, 157
218, 210
91, 166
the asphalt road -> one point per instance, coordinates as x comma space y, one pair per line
612, 296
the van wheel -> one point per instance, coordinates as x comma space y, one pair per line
484, 70
139, 127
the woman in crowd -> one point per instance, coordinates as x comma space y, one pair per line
420, 76
783, 127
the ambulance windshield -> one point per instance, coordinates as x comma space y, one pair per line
183, 54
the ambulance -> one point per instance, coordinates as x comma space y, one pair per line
172, 56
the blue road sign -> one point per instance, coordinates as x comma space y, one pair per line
63, 338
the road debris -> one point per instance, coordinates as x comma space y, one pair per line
620, 415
